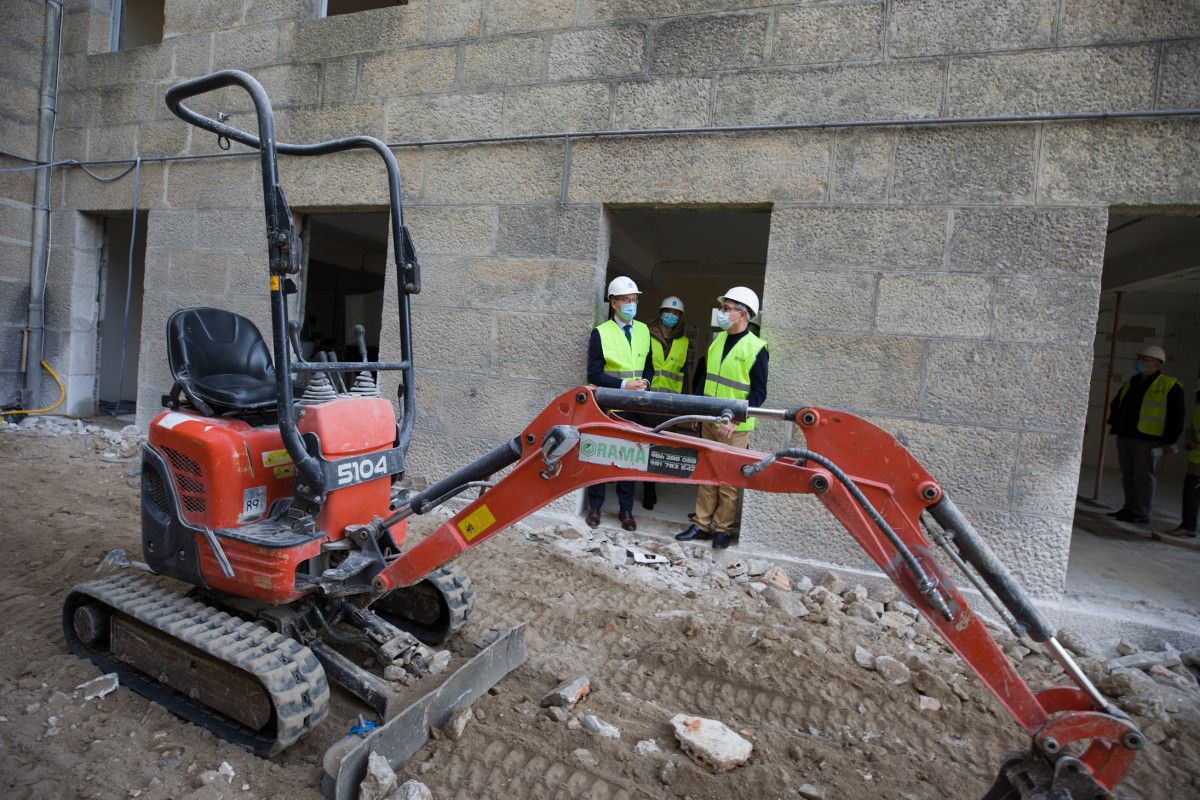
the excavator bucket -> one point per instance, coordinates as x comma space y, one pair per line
405, 733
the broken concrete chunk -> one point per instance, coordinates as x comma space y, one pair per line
861, 611
412, 790
99, 687
1165, 658
894, 619
863, 657
810, 791
833, 583
568, 693
757, 566
778, 579
667, 774
1124, 647
892, 670
858, 594
556, 713
439, 662
711, 743
457, 724
735, 569
585, 756
593, 724
379, 781
790, 603
647, 747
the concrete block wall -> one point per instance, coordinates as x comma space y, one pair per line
942, 282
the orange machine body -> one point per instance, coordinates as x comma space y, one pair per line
229, 474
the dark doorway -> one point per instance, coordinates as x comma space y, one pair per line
122, 284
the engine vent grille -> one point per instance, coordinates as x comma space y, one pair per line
189, 480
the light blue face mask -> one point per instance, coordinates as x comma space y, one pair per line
669, 319
628, 311
1139, 365
723, 320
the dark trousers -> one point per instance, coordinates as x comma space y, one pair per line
596, 492
649, 494
1139, 471
1191, 503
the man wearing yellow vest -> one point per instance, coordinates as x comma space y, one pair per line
670, 352
1146, 416
619, 358
1189, 515
736, 368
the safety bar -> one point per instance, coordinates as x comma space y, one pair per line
669, 403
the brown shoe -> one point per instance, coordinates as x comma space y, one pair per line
593, 517
1180, 532
627, 521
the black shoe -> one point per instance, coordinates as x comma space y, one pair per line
1120, 512
627, 520
593, 517
720, 541
694, 532
1123, 515
648, 505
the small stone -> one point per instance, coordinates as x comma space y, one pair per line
397, 674
1074, 642
647, 747
380, 779
790, 603
927, 703
833, 583
99, 687
757, 566
439, 662
1124, 647
573, 724
412, 790
778, 579
736, 569
1141, 660
892, 670
757, 587
595, 725
666, 775
894, 619
585, 756
863, 657
857, 594
810, 791
710, 743
861, 611
901, 607
571, 532
457, 724
556, 713
692, 626
568, 693
886, 593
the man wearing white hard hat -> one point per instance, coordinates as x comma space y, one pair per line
670, 353
735, 368
619, 358
1146, 416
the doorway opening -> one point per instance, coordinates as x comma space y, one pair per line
122, 285
342, 282
1150, 293
695, 254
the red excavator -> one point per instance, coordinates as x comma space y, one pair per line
271, 486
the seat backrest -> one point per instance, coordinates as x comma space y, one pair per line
203, 342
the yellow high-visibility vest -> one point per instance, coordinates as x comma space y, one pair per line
1152, 420
624, 358
730, 376
668, 370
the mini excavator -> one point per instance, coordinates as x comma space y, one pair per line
274, 529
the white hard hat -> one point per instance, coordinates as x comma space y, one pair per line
743, 295
621, 285
673, 303
1154, 351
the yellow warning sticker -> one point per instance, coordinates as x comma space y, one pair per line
276, 458
274, 283
476, 522
286, 471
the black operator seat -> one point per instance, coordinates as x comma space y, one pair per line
220, 361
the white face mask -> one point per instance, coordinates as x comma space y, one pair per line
723, 320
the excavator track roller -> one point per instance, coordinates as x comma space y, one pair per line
433, 609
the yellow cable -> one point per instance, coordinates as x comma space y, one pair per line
62, 395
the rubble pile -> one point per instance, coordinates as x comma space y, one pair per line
107, 444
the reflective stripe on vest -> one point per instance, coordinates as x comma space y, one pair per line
731, 378
624, 359
1152, 420
1194, 455
668, 370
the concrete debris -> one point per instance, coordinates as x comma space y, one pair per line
756, 567
710, 743
857, 594
804, 584
1075, 643
1191, 657
1166, 658
692, 625
927, 703
380, 780
556, 713
886, 593
614, 555
1126, 648
892, 670
735, 569
666, 775
811, 791
98, 687
833, 583
790, 603
439, 662
861, 611
894, 619
411, 790
647, 747
593, 724
777, 579
901, 607
863, 657
585, 757
568, 693
457, 724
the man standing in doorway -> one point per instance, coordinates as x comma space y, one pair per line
735, 368
619, 358
1189, 514
1146, 415
670, 352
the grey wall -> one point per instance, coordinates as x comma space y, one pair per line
941, 282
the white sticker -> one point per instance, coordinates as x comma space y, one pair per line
173, 418
254, 503
617, 452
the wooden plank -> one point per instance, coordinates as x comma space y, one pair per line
203, 678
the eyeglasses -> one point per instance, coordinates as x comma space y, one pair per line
728, 309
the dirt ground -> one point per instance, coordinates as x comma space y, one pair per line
816, 718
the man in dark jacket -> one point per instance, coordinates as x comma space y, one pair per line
1146, 416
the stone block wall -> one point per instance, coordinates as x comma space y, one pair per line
942, 282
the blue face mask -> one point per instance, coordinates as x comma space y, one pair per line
669, 319
1139, 365
723, 320
628, 311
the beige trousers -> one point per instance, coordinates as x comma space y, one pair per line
716, 506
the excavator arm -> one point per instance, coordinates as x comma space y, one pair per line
1082, 746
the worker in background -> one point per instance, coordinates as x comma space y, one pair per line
619, 358
1189, 515
1146, 416
670, 352
735, 368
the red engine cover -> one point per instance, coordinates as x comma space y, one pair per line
228, 473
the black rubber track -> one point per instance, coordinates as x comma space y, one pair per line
434, 609
290, 674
